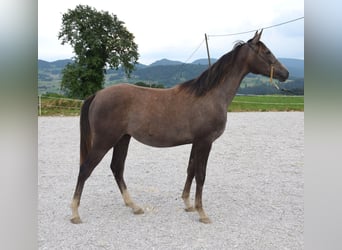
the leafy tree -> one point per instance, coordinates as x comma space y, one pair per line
100, 40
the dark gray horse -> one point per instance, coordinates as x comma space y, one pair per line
191, 112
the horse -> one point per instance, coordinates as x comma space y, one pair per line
193, 112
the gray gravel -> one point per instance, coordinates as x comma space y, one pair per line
254, 190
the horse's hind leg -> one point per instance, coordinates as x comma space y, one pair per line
118, 165
92, 160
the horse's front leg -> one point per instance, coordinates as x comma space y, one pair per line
200, 162
197, 168
188, 182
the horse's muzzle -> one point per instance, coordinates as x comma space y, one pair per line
282, 75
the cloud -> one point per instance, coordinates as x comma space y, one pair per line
174, 29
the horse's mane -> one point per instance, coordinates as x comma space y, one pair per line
213, 76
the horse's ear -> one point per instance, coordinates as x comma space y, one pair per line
256, 37
260, 33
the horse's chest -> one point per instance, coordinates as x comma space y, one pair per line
212, 127
218, 130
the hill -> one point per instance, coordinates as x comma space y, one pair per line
169, 73
59, 64
294, 66
49, 71
204, 61
165, 62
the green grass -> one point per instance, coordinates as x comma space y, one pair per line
55, 105
267, 103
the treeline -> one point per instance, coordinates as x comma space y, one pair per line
294, 87
168, 75
152, 85
291, 88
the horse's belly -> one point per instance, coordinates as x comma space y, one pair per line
161, 143
162, 137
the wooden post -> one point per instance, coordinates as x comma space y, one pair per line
206, 42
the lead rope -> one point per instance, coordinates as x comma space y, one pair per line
275, 85
271, 78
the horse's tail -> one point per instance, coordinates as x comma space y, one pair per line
85, 133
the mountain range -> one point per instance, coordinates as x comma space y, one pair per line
166, 72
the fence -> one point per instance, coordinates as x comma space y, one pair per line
49, 105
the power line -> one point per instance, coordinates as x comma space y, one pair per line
250, 31
181, 68
197, 48
234, 34
279, 24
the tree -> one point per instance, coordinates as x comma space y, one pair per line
100, 40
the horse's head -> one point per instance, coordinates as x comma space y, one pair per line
262, 61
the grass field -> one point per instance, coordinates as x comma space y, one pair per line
267, 103
57, 106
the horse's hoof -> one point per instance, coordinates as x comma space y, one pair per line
205, 220
189, 209
76, 220
138, 210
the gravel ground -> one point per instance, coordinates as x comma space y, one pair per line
253, 194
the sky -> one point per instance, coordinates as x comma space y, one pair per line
175, 29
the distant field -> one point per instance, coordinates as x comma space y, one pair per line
57, 106
49, 87
267, 103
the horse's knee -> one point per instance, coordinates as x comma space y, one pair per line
200, 178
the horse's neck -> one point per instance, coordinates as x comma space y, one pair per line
226, 91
